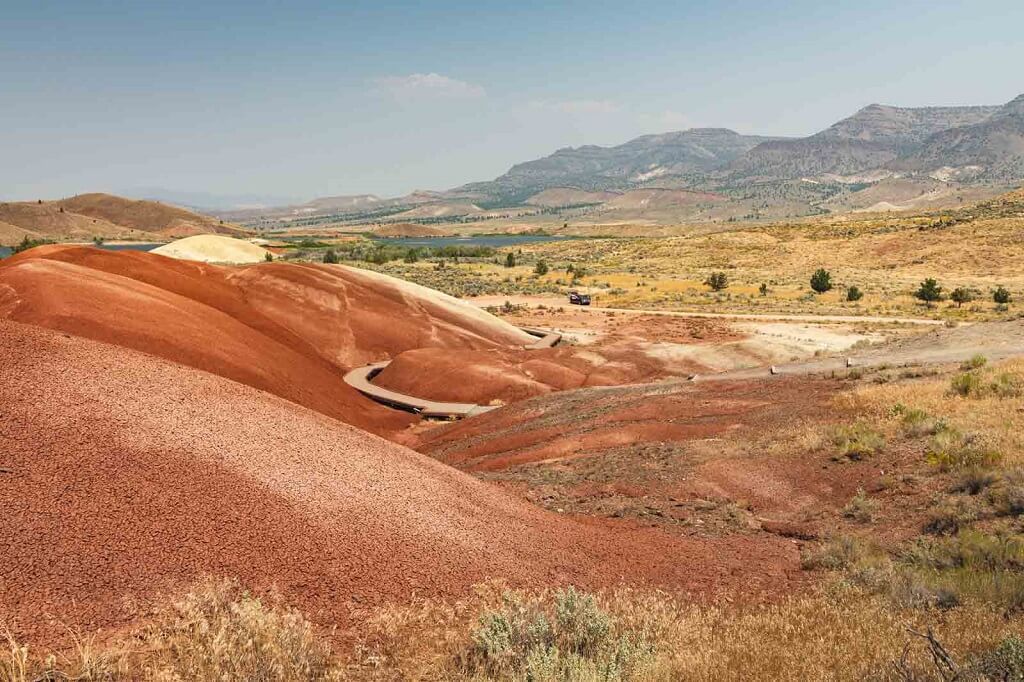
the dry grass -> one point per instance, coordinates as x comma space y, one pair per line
845, 635
216, 631
985, 426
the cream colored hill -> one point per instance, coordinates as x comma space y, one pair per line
213, 248
410, 230
149, 216
53, 220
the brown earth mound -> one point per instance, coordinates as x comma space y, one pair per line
103, 215
48, 220
410, 230
149, 216
124, 475
288, 329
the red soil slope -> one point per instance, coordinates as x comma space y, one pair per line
125, 475
292, 330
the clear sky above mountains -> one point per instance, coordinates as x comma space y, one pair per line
303, 99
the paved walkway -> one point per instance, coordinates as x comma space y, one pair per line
361, 379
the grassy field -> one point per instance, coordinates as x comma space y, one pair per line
768, 267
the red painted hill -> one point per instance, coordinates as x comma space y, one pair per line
289, 329
126, 475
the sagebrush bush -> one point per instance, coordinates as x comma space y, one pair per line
950, 450
858, 441
861, 508
572, 638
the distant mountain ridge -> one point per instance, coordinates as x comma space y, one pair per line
594, 168
906, 157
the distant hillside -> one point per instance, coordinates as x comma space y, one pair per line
53, 220
148, 216
568, 196
871, 138
660, 199
410, 230
87, 216
992, 148
593, 168
443, 209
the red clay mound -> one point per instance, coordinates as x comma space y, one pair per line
291, 330
125, 475
508, 375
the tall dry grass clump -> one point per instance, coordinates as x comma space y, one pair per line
217, 631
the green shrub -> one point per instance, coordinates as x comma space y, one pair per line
857, 442
949, 517
854, 294
974, 480
976, 361
1005, 662
917, 423
330, 256
838, 552
861, 508
966, 384
570, 638
950, 450
1006, 495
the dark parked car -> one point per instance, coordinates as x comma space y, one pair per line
576, 298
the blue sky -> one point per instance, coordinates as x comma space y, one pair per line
302, 99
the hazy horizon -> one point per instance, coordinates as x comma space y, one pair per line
291, 103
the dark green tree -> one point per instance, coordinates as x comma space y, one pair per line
961, 295
821, 280
510, 260
854, 294
1001, 296
717, 281
268, 256
330, 256
929, 291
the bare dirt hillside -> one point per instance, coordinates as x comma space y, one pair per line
149, 216
125, 476
291, 330
48, 220
660, 199
569, 196
11, 234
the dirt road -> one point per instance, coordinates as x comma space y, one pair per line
553, 301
